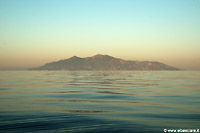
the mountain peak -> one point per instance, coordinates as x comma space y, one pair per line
74, 57
100, 56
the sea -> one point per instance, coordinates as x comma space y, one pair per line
99, 101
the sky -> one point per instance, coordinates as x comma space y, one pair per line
34, 32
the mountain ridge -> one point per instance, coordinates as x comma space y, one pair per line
103, 62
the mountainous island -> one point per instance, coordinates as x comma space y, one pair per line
103, 62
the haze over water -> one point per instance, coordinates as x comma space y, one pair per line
99, 101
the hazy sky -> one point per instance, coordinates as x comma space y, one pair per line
34, 32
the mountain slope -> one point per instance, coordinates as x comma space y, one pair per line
103, 62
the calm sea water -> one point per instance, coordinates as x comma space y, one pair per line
99, 101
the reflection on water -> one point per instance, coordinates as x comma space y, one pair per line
99, 101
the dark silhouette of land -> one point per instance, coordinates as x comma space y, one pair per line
103, 62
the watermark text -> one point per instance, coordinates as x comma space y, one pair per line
181, 130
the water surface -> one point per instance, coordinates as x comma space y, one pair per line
99, 101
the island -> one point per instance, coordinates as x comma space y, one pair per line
104, 62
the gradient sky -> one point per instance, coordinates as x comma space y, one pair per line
34, 32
